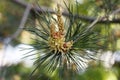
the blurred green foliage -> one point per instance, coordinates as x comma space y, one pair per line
20, 72
98, 73
10, 17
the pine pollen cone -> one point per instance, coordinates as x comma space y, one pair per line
57, 38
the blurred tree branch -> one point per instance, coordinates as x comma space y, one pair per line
22, 23
15, 35
84, 18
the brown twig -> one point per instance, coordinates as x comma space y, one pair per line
84, 18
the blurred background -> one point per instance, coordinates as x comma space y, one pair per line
13, 65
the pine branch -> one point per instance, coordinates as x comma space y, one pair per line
84, 18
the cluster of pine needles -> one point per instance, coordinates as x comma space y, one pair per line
63, 44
